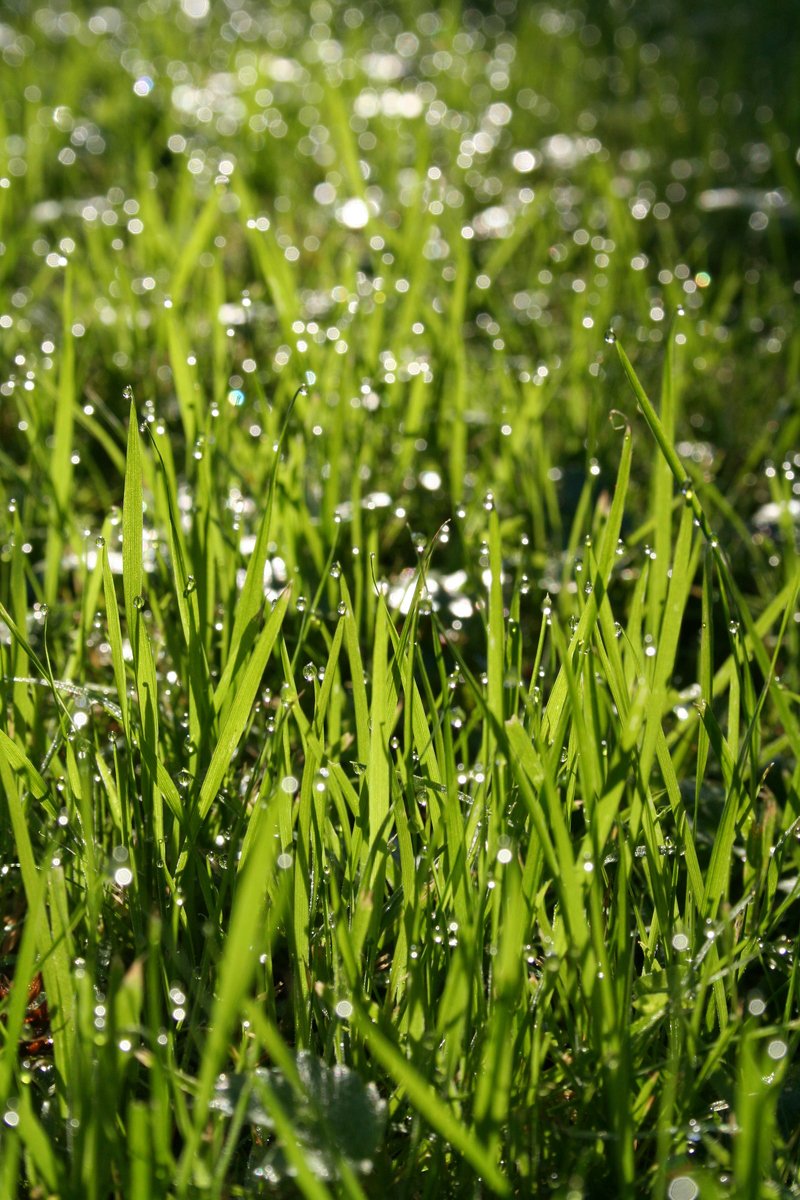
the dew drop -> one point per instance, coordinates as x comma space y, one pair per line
610, 337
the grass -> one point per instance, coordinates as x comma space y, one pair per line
399, 750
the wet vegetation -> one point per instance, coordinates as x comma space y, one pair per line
399, 491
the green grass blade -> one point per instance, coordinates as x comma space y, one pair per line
240, 710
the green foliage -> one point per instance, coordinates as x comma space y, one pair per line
398, 740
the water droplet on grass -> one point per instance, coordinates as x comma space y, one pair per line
353, 214
610, 337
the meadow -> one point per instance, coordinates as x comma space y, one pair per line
399, 625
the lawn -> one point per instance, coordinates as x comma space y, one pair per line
399, 623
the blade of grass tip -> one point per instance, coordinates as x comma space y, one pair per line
378, 784
143, 663
496, 644
451, 827
379, 762
677, 595
275, 269
251, 598
661, 492
705, 674
306, 868
309, 822
666, 447
115, 638
186, 262
61, 467
236, 970
241, 706
496, 1074
690, 496
18, 600
433, 1109
187, 388
188, 611
353, 650
402, 682
132, 520
349, 156
554, 709
719, 869
90, 589
694, 874
546, 812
